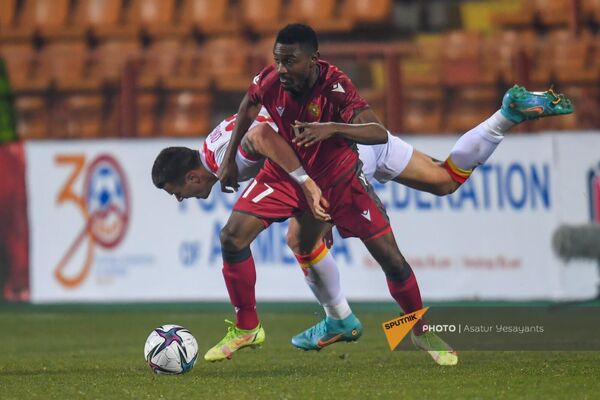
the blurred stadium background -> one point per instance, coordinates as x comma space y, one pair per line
91, 90
129, 68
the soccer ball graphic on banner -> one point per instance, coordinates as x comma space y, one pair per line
171, 349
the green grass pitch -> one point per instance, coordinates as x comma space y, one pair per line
96, 352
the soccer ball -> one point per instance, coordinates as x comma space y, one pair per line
171, 349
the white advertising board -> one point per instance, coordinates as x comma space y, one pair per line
100, 231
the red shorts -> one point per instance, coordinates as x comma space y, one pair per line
354, 208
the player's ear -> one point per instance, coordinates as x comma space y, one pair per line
192, 177
315, 57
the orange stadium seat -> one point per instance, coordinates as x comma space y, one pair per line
19, 58
32, 116
368, 11
187, 113
76, 110
110, 58
154, 17
227, 62
564, 58
472, 95
553, 12
209, 16
42, 17
424, 67
502, 49
418, 72
83, 116
263, 55
8, 9
147, 121
590, 10
102, 18
189, 70
521, 17
572, 59
322, 15
67, 64
262, 16
469, 106
422, 110
462, 59
159, 62
29, 87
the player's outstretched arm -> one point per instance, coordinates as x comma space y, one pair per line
314, 132
264, 141
227, 174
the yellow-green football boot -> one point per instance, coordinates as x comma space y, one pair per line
234, 340
439, 350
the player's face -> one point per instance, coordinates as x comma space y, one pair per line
293, 66
195, 185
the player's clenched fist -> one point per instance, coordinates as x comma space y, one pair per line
227, 175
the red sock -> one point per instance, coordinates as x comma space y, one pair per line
407, 295
240, 279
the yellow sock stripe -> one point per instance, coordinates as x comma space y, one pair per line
458, 171
321, 256
316, 259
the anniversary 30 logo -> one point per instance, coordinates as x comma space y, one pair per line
104, 204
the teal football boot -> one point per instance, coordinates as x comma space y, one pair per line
328, 331
520, 105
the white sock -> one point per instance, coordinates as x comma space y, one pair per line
477, 145
323, 278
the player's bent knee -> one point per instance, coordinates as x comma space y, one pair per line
293, 242
259, 135
386, 253
299, 248
398, 271
231, 240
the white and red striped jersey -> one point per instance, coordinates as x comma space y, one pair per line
213, 150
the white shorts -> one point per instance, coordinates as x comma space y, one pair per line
384, 162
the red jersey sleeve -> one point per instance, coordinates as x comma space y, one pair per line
345, 95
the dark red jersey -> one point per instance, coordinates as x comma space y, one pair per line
333, 98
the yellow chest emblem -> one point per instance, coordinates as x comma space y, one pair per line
314, 110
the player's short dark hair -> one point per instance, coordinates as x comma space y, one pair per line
299, 33
171, 165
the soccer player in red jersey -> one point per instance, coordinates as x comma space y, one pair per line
187, 173
415, 169
300, 87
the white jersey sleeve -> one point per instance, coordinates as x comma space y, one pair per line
215, 145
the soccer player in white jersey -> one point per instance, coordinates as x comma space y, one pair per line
186, 173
